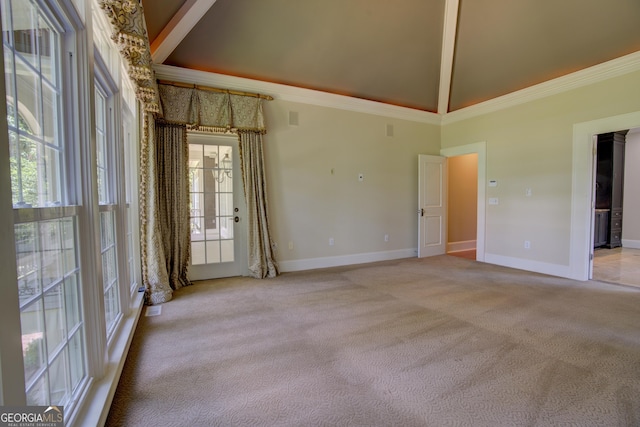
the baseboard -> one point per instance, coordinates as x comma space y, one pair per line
529, 265
336, 261
465, 245
631, 244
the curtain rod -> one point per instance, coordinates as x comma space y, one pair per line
215, 89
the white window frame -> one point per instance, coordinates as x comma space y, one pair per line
104, 357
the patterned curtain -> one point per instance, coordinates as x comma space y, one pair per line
130, 34
164, 196
262, 262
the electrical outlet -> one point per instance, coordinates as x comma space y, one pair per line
330, 241
290, 245
386, 237
527, 244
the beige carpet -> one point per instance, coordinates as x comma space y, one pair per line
437, 342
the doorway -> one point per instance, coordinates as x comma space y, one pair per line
217, 207
479, 152
463, 205
616, 256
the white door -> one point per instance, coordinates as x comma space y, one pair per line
217, 208
432, 205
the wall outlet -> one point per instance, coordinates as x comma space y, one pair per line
290, 245
330, 241
528, 192
386, 237
493, 201
527, 244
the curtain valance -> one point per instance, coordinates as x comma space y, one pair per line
208, 110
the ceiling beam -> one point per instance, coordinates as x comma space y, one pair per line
178, 27
448, 49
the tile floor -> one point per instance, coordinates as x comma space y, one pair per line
619, 265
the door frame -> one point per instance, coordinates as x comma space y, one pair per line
240, 228
479, 148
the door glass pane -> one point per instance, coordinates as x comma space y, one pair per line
212, 210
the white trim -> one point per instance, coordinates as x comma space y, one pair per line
529, 265
295, 94
481, 149
631, 244
607, 70
178, 27
336, 261
448, 49
462, 246
581, 187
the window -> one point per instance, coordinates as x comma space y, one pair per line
46, 222
131, 184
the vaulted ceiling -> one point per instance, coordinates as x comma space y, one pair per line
431, 55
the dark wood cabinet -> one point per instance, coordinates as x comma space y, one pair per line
610, 185
601, 232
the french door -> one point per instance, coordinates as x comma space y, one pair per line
217, 208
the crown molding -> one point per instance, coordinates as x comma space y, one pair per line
295, 94
598, 73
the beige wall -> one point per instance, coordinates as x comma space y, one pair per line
631, 213
314, 192
530, 146
462, 201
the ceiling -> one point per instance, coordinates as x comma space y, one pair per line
431, 55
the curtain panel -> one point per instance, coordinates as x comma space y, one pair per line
262, 261
164, 197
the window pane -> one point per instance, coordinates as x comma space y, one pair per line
48, 50
50, 252
28, 85
68, 245
59, 379
27, 261
54, 318
50, 108
72, 301
38, 394
76, 360
33, 342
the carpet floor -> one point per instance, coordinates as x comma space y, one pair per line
415, 342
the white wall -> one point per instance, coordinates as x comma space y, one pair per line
315, 194
631, 206
530, 146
